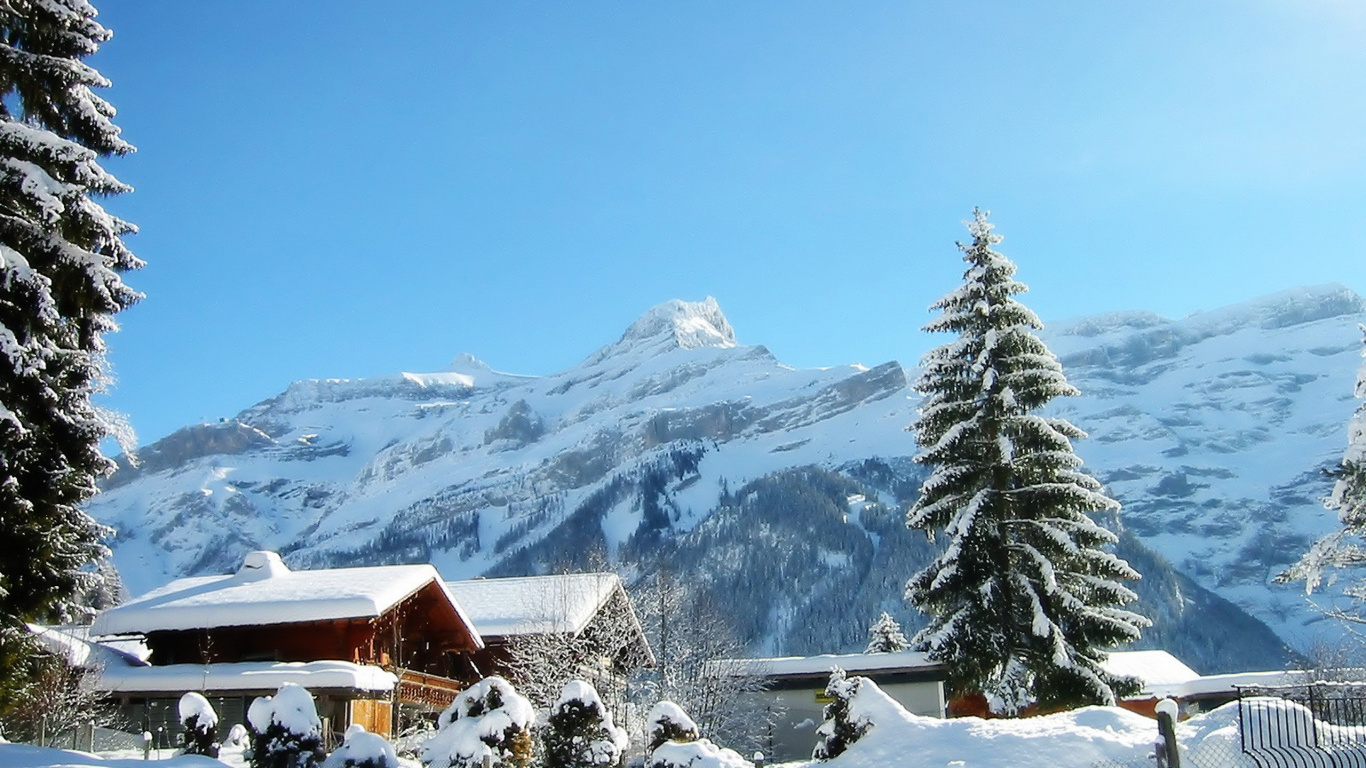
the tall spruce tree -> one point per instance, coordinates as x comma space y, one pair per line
1024, 600
61, 256
1343, 548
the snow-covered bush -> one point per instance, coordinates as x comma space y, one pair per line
285, 730
695, 754
200, 722
238, 736
362, 749
673, 742
843, 725
579, 732
488, 718
668, 722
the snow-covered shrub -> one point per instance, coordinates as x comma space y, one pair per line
238, 736
695, 754
668, 722
200, 722
843, 726
488, 718
579, 732
673, 742
285, 730
362, 749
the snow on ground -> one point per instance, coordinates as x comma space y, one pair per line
1080, 738
27, 756
1077, 739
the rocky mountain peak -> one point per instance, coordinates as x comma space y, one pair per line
675, 324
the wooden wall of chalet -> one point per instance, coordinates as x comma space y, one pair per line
422, 633
375, 714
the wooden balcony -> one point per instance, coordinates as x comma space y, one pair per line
427, 691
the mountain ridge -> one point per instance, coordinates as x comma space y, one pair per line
477, 470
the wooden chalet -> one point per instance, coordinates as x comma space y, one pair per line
367, 642
586, 617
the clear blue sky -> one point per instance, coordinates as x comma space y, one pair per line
349, 189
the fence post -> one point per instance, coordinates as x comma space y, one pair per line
758, 760
1167, 754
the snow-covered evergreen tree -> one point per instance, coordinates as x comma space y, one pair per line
885, 636
1024, 599
200, 722
1343, 548
61, 256
840, 727
579, 732
488, 719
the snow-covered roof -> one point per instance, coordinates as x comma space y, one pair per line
73, 644
795, 666
1229, 683
264, 591
1157, 670
244, 676
531, 605
1164, 675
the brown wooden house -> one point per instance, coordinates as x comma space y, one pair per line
542, 631
368, 642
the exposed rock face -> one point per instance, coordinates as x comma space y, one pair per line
368, 469
1210, 430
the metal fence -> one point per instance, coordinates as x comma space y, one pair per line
1322, 725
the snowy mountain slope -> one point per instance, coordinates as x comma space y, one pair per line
1214, 432
460, 466
631, 451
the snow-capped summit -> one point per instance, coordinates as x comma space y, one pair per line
673, 325
1212, 431
469, 365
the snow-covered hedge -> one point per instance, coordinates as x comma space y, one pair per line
362, 749
672, 741
695, 754
201, 726
668, 722
488, 718
285, 729
579, 732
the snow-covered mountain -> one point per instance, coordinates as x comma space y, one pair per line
1215, 432
677, 447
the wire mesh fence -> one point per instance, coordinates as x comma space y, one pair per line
1322, 725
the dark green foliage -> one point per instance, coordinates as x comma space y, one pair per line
668, 722
840, 728
61, 256
579, 733
279, 747
277, 744
1025, 598
198, 738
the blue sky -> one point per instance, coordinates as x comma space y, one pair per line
351, 189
